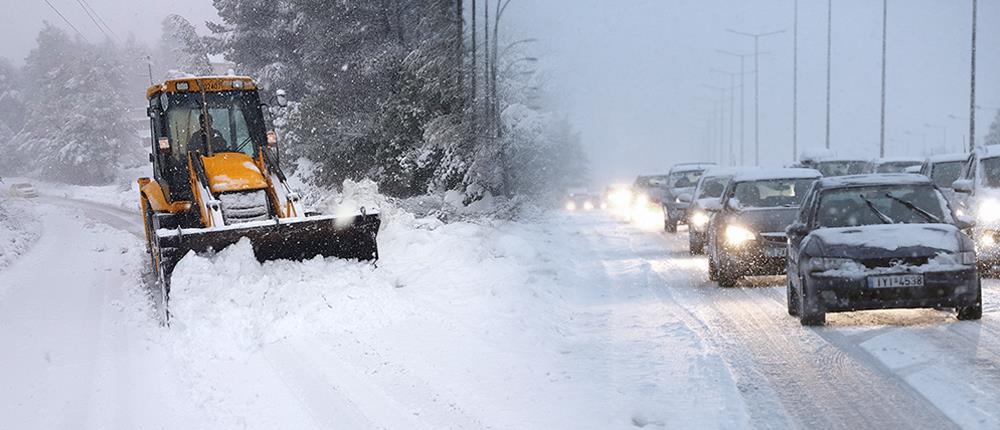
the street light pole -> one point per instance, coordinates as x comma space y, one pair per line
756, 87
795, 85
722, 119
742, 58
732, 113
885, 15
829, 45
972, 84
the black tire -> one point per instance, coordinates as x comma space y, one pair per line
727, 278
974, 312
791, 298
669, 226
713, 271
809, 317
695, 247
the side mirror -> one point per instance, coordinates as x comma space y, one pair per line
684, 198
964, 222
282, 98
272, 139
962, 186
797, 229
713, 205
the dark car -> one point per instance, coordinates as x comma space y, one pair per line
879, 242
682, 180
582, 201
747, 236
706, 201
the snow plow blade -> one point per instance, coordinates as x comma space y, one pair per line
289, 239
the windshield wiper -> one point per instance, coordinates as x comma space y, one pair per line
927, 215
885, 218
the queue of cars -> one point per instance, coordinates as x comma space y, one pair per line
850, 234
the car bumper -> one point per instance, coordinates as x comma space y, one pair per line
760, 259
940, 289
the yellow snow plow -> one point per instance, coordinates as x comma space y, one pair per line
216, 179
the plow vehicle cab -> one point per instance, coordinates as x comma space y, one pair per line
216, 179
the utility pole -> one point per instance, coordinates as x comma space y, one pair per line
972, 83
732, 113
722, 119
742, 58
756, 87
795, 85
829, 46
885, 15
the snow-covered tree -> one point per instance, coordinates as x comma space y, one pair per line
181, 49
993, 137
77, 114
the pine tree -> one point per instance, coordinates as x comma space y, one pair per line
993, 137
182, 51
77, 120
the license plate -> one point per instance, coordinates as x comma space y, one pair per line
775, 252
896, 281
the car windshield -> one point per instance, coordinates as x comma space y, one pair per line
685, 179
712, 188
233, 122
896, 166
843, 168
991, 172
772, 193
854, 206
944, 174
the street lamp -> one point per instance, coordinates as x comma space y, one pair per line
742, 57
732, 111
756, 86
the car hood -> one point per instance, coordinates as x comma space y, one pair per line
770, 220
885, 241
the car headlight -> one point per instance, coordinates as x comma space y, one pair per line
588, 205
822, 264
571, 206
699, 219
642, 200
738, 236
988, 210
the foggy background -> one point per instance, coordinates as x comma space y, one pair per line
630, 74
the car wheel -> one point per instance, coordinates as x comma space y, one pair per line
726, 276
713, 271
975, 311
791, 298
695, 246
809, 315
669, 226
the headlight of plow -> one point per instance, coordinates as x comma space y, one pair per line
588, 205
738, 236
571, 206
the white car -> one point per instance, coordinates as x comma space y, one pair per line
24, 190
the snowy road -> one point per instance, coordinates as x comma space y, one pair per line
575, 321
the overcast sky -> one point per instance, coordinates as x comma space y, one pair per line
631, 73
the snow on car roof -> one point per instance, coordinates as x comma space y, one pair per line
716, 172
899, 160
766, 174
816, 154
989, 151
690, 167
944, 158
874, 179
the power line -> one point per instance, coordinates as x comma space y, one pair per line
99, 18
92, 19
70, 24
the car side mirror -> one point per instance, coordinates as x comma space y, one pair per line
713, 205
964, 222
684, 198
962, 186
796, 230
